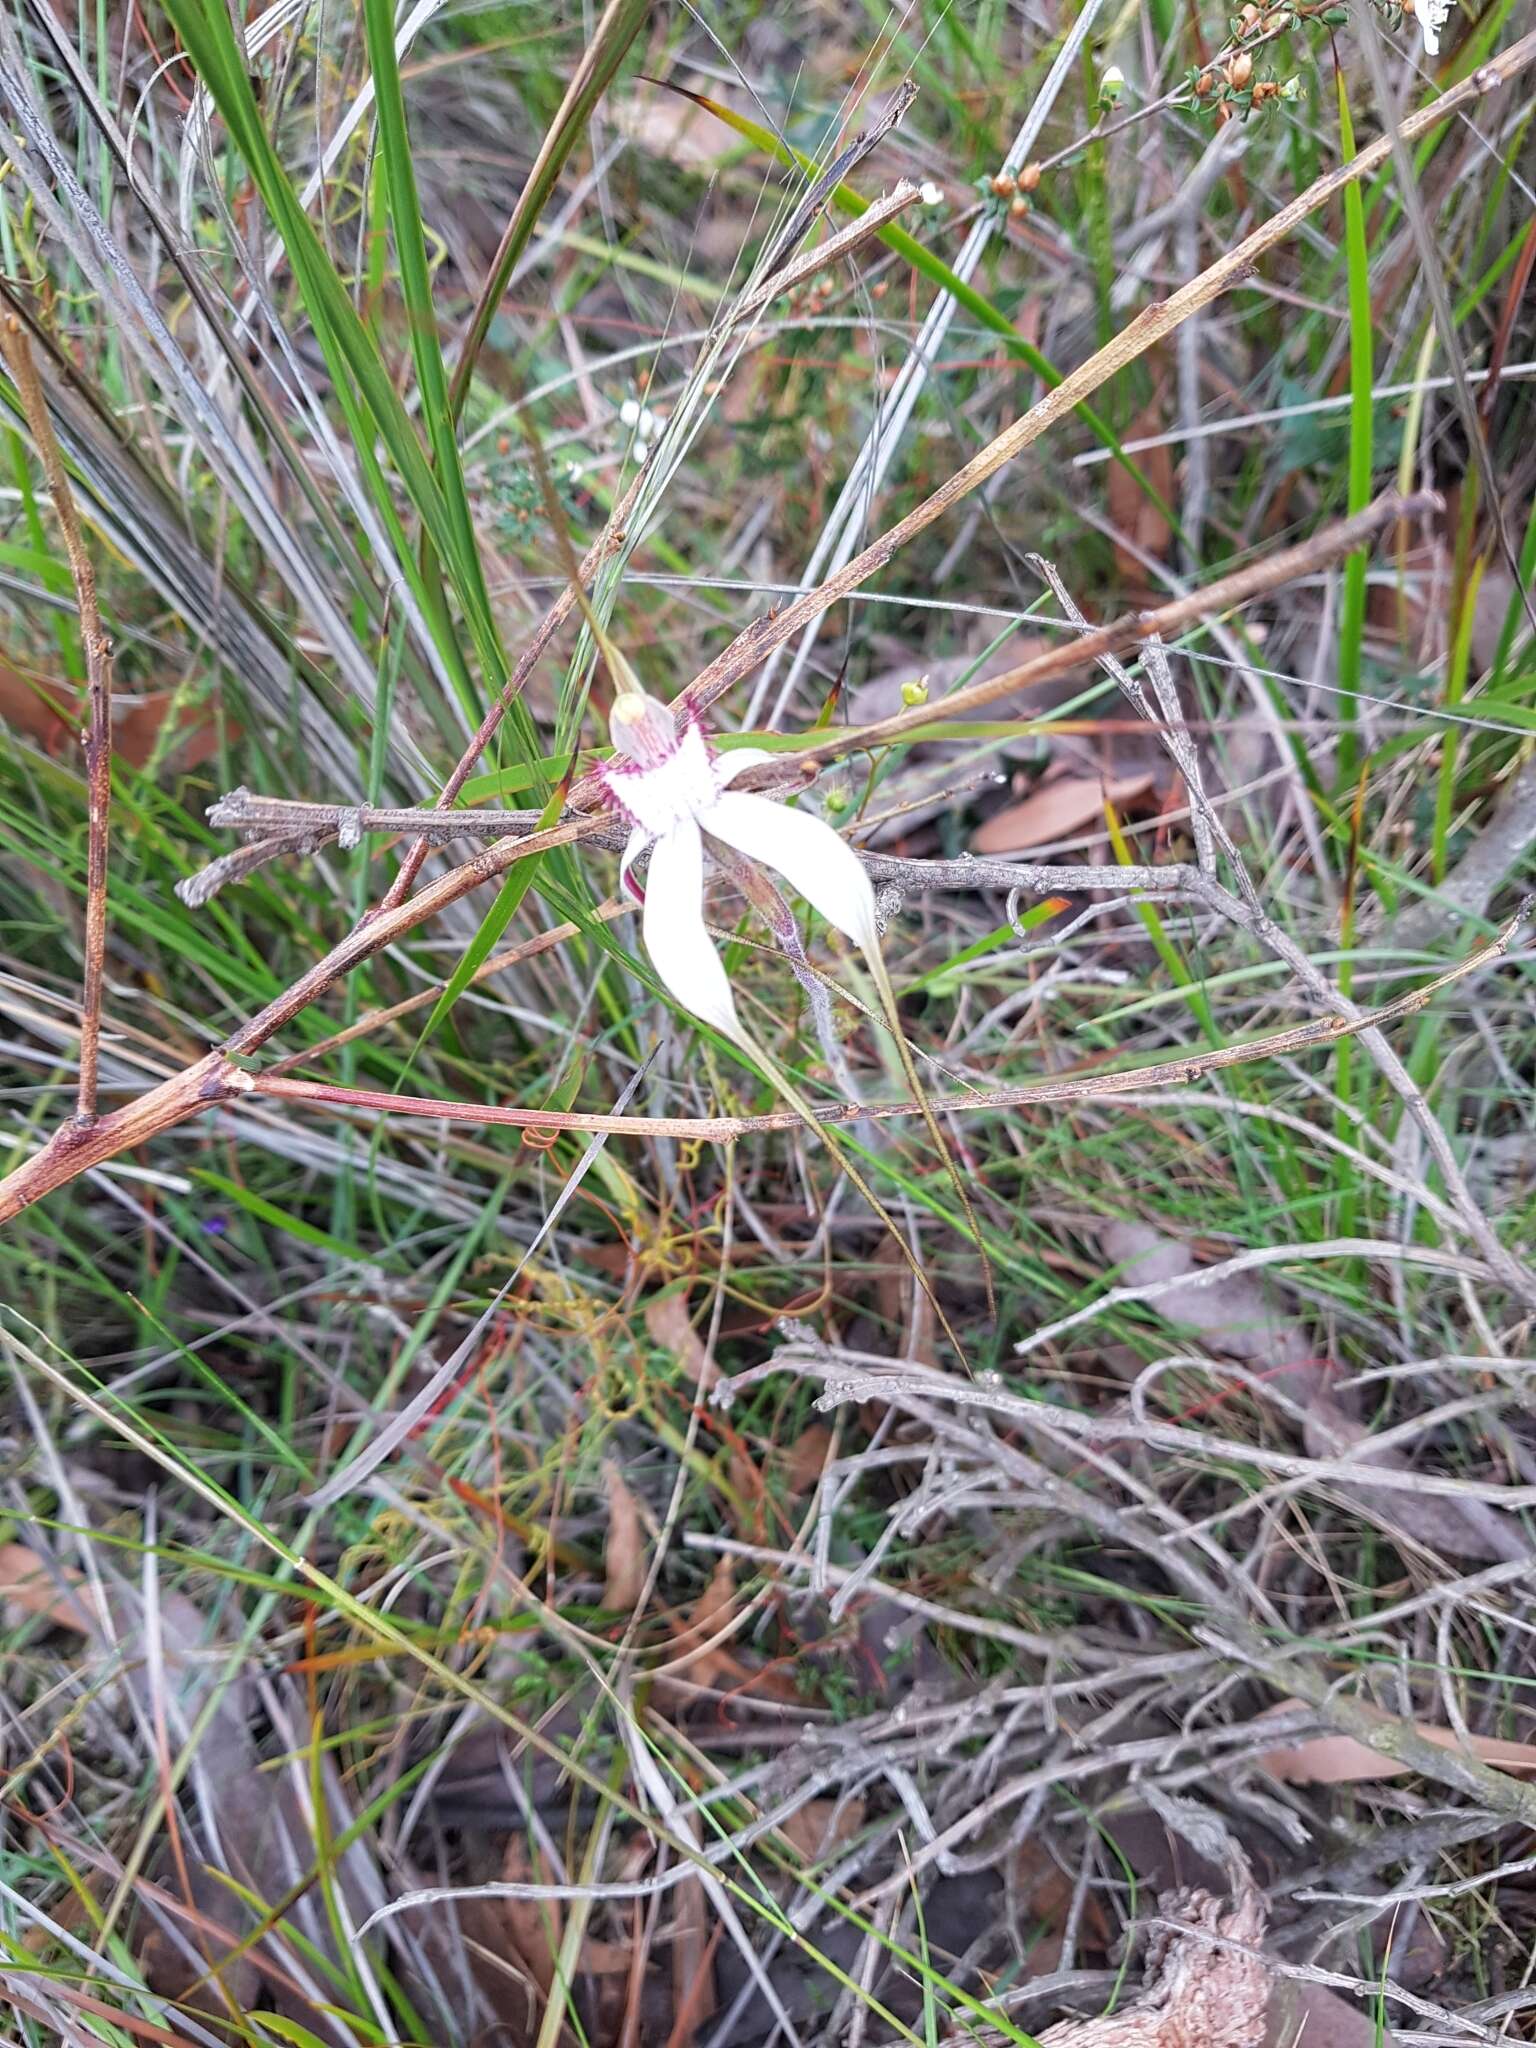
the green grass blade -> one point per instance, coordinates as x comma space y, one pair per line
404, 211
514, 888
1361, 389
621, 22
359, 375
1455, 688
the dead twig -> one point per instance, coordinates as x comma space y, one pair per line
98, 732
1150, 326
1068, 1088
268, 819
219, 1076
1164, 622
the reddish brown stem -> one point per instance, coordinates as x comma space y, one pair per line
59, 1162
76, 1147
387, 925
1180, 1072
98, 732
218, 1077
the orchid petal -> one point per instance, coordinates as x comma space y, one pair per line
681, 950
634, 846
1432, 16
737, 762
811, 857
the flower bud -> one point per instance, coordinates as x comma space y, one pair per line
1005, 185
1239, 70
915, 693
641, 729
1029, 177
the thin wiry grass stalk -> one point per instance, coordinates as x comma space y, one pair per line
861, 488
65, 205
1433, 275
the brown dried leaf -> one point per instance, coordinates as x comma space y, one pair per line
674, 129
1131, 509
1044, 1892
747, 1497
822, 1825
624, 1546
535, 1925
803, 1462
693, 1970
1454, 1528
1243, 1317
1341, 1760
905, 1306
51, 713
39, 710
666, 1319
25, 1579
711, 1614
258, 1817
1054, 810
1312, 2016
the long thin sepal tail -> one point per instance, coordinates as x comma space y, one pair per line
881, 973
813, 1124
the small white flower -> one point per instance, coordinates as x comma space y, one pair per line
931, 194
639, 420
1431, 15
675, 790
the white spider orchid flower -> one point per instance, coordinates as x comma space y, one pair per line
675, 791
1431, 15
